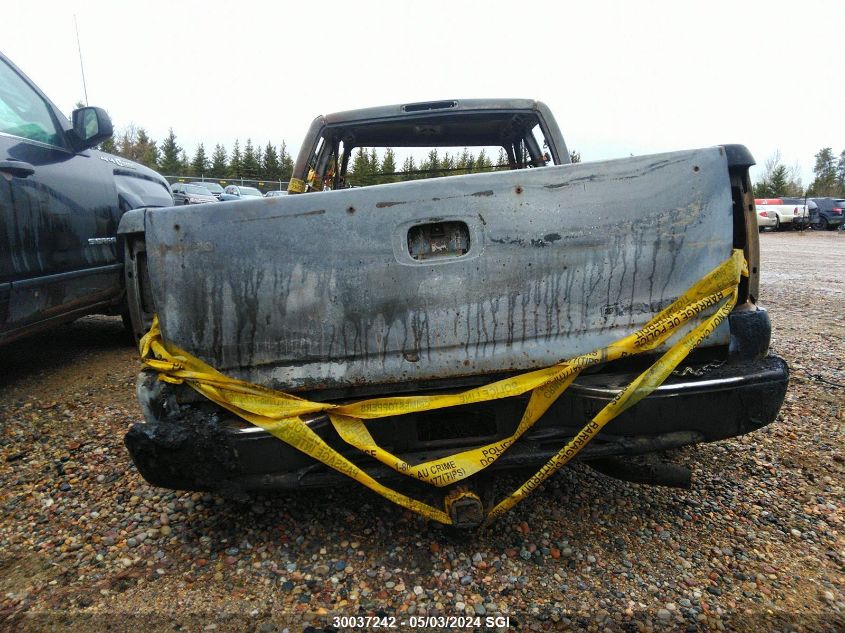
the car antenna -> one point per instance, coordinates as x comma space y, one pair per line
81, 66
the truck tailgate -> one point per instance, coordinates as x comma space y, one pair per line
438, 278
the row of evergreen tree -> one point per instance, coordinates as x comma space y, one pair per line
368, 168
250, 162
778, 180
268, 163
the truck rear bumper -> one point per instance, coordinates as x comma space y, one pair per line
197, 446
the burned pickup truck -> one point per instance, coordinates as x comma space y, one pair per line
442, 301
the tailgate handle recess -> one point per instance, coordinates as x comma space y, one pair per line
438, 240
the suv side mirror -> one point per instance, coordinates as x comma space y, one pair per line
91, 126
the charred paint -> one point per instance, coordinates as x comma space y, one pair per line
285, 216
270, 307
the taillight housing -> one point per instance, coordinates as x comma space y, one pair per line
837, 210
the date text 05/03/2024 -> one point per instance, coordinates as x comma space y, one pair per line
420, 621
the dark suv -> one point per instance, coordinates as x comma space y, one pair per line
60, 204
826, 213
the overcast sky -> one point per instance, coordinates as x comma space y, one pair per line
621, 77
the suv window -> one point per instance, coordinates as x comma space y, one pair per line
23, 112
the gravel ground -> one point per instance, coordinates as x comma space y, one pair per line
758, 544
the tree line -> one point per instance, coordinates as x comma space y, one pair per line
267, 163
252, 162
780, 181
368, 168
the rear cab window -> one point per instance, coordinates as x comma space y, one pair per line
361, 153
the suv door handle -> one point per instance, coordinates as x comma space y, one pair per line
16, 168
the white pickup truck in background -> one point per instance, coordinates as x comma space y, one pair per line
782, 213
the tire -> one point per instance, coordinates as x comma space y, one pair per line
823, 224
777, 226
134, 251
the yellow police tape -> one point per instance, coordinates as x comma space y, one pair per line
279, 413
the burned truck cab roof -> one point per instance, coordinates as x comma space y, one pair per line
505, 123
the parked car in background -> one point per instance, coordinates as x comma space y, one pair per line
786, 213
212, 186
60, 203
800, 212
766, 219
238, 192
191, 193
827, 213
275, 194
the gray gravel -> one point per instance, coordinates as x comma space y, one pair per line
758, 544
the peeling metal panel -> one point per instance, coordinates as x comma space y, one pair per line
320, 290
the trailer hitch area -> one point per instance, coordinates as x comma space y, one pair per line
464, 508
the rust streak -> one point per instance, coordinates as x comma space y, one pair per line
189, 247
385, 205
285, 216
